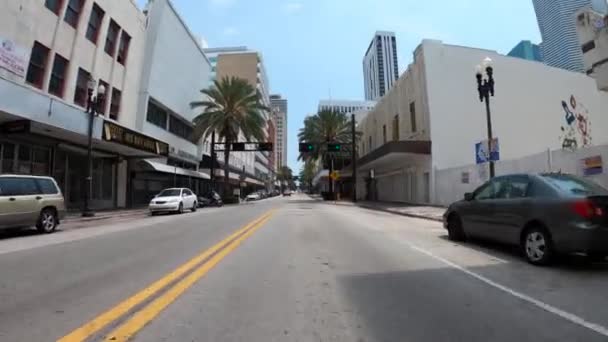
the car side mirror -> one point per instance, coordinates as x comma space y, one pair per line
468, 196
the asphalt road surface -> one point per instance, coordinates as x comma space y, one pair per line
289, 269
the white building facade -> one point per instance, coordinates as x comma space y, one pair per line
173, 71
380, 65
419, 143
50, 51
346, 106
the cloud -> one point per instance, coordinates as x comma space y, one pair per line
230, 31
292, 7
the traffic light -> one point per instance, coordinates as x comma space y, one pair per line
306, 147
266, 147
238, 146
334, 147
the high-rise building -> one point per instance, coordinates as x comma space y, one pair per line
557, 25
380, 65
279, 106
246, 64
526, 50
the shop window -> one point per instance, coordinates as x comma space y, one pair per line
38, 60
24, 160
57, 83
112, 38
81, 93
115, 104
123, 48
94, 23
7, 157
40, 162
54, 5
72, 12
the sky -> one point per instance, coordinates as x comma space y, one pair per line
313, 49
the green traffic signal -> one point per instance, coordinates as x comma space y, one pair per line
334, 147
306, 147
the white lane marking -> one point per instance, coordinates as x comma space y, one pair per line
561, 313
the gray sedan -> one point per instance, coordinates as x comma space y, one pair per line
545, 214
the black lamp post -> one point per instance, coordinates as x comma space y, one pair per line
93, 103
485, 87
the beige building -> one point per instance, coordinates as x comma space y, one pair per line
592, 28
49, 51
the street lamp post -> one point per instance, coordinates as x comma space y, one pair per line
485, 87
93, 103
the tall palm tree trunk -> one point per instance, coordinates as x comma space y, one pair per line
226, 170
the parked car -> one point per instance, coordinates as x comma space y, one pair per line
545, 214
287, 192
254, 196
173, 200
27, 201
212, 198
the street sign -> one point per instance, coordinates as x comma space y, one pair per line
335, 175
483, 154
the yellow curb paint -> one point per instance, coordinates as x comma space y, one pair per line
101, 321
128, 330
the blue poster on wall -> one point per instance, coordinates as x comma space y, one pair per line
481, 151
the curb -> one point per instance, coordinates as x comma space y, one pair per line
400, 213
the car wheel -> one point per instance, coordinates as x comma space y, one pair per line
153, 213
194, 207
47, 222
180, 209
455, 230
538, 246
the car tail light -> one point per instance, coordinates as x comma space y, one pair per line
586, 209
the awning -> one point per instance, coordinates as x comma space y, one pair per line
164, 168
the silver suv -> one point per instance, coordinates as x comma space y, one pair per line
29, 200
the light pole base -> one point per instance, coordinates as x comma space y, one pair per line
88, 213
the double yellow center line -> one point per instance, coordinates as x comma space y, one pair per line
139, 319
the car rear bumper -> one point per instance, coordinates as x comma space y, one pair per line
163, 207
591, 240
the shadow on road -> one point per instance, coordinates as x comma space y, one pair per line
15, 233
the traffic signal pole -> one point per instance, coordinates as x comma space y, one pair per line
354, 155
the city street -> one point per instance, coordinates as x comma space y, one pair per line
289, 269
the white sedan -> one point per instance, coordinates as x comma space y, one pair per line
173, 200
254, 196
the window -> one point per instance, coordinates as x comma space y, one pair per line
18, 186
396, 128
384, 134
588, 46
40, 161
370, 143
123, 48
156, 115
24, 160
513, 187
180, 128
38, 60
57, 83
72, 12
81, 93
486, 191
94, 23
47, 186
112, 38
115, 104
413, 116
573, 185
104, 100
54, 5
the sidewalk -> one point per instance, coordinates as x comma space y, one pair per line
419, 211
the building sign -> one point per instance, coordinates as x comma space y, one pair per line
484, 154
19, 126
592, 166
12, 57
121, 135
464, 178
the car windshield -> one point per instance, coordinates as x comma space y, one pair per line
576, 186
169, 193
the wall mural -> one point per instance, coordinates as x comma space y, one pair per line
577, 131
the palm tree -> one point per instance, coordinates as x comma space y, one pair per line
325, 127
231, 106
285, 175
307, 173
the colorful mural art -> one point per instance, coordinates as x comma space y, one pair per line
577, 131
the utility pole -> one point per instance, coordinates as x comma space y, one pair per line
354, 156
